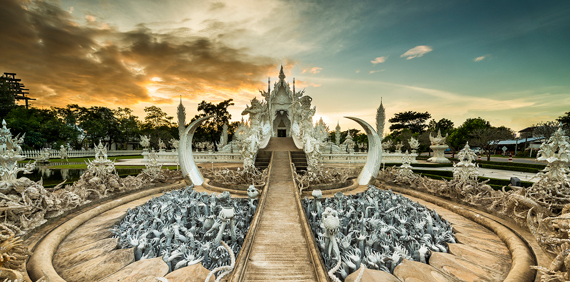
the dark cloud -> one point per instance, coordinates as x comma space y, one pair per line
63, 62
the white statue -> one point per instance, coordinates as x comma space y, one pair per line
414, 144
405, 170
438, 146
10, 149
175, 143
145, 141
161, 145
224, 136
63, 153
349, 143
153, 167
380, 120
399, 147
466, 169
438, 140
44, 156
556, 154
386, 145
337, 134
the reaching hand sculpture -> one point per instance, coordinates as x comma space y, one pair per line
331, 224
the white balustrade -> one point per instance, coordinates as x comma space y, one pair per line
54, 154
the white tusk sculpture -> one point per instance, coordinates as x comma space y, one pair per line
185, 156
374, 159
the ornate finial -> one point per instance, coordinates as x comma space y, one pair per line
4, 123
268, 85
281, 74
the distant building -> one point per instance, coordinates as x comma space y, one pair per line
11, 85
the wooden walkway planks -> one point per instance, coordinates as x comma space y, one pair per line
280, 251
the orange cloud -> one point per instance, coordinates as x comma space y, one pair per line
63, 62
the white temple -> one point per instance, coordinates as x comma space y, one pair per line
281, 108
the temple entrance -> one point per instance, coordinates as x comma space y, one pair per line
281, 124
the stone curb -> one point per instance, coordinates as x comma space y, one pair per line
44, 251
217, 189
328, 192
521, 253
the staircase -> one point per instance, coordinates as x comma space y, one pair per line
262, 160
299, 159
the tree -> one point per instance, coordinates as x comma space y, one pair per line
99, 124
445, 125
211, 129
488, 138
159, 125
414, 121
565, 120
41, 127
458, 138
544, 129
128, 125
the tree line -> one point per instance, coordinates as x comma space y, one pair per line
477, 131
81, 127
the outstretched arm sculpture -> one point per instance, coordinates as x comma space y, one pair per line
185, 157
374, 158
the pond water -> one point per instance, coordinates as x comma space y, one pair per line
52, 177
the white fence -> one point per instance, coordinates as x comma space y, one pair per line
205, 157
388, 158
199, 157
54, 154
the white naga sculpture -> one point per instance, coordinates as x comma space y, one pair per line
63, 153
466, 169
145, 141
10, 155
25, 203
438, 146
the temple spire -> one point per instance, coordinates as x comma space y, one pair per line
268, 85
281, 74
293, 86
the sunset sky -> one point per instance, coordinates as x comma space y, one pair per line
505, 61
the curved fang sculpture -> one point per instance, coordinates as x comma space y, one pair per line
374, 159
185, 156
